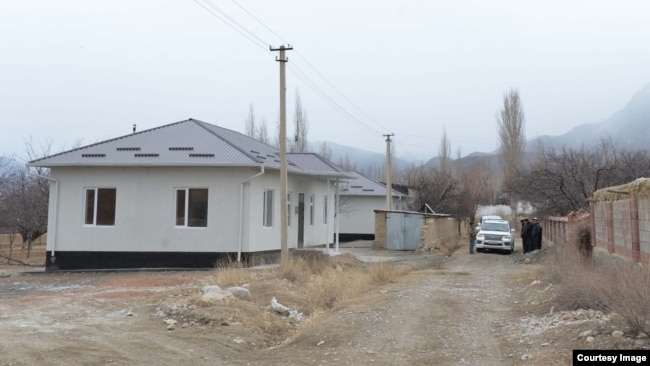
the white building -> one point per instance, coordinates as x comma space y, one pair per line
181, 195
360, 196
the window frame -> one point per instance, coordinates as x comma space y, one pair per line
186, 207
267, 212
95, 208
325, 218
289, 196
312, 202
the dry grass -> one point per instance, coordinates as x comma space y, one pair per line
600, 282
231, 273
19, 255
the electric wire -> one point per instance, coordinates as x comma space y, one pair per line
312, 85
241, 30
311, 66
301, 75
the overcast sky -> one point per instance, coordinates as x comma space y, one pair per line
87, 70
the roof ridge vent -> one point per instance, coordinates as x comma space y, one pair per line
201, 155
128, 149
93, 155
181, 149
146, 155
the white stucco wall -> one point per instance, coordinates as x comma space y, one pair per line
144, 219
359, 215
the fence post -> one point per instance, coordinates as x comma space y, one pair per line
634, 217
610, 227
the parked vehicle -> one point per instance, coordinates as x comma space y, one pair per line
485, 218
495, 235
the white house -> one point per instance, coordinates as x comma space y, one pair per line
181, 195
360, 196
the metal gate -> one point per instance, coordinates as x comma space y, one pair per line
403, 230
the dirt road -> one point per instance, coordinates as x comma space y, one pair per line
465, 312
448, 316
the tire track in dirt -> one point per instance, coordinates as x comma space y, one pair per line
450, 316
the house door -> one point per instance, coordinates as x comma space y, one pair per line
301, 220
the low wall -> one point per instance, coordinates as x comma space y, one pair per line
437, 230
621, 226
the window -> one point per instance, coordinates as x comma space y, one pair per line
289, 209
267, 221
100, 207
324, 210
191, 207
311, 209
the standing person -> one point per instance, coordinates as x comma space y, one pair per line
472, 236
526, 227
536, 235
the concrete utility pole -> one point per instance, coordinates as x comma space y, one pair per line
284, 214
389, 174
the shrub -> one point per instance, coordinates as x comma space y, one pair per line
603, 283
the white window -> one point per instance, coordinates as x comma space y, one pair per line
325, 210
100, 206
311, 209
289, 209
267, 221
191, 207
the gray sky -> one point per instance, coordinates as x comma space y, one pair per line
87, 70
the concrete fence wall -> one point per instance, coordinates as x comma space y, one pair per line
621, 227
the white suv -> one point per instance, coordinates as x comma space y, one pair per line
495, 234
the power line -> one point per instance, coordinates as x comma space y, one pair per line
301, 75
313, 86
259, 21
241, 30
311, 66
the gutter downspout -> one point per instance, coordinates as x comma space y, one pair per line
327, 228
241, 211
55, 203
338, 215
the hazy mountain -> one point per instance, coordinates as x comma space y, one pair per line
628, 128
361, 158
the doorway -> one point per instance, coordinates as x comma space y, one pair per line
301, 220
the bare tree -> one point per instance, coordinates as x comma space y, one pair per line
558, 182
475, 189
432, 187
24, 204
444, 153
325, 151
512, 139
301, 128
262, 133
250, 128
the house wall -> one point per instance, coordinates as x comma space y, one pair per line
359, 215
257, 237
144, 219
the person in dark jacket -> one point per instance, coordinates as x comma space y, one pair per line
526, 227
471, 232
536, 235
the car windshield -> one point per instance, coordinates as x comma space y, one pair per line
495, 226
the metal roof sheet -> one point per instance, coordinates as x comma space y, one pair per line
361, 185
185, 143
